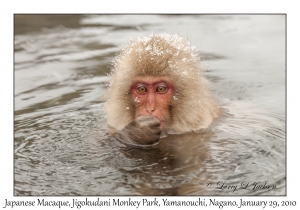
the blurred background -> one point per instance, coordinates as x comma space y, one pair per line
61, 71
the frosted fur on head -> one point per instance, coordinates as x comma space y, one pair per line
192, 107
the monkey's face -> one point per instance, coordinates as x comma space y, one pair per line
152, 96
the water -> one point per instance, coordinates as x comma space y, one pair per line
61, 144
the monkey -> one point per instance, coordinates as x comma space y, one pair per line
157, 86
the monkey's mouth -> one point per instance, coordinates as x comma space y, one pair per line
162, 123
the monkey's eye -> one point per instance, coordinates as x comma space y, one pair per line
161, 89
142, 89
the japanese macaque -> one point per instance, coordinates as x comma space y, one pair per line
157, 86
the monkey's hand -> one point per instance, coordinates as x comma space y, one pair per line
144, 130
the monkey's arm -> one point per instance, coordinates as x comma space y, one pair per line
144, 130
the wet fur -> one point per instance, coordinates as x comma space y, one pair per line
192, 106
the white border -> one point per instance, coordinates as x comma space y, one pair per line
8, 8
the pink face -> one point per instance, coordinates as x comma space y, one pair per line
152, 96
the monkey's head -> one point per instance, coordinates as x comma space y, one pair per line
160, 75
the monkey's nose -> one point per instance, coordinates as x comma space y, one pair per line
150, 105
150, 109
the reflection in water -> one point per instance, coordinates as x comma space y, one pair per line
180, 164
61, 144
164, 169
